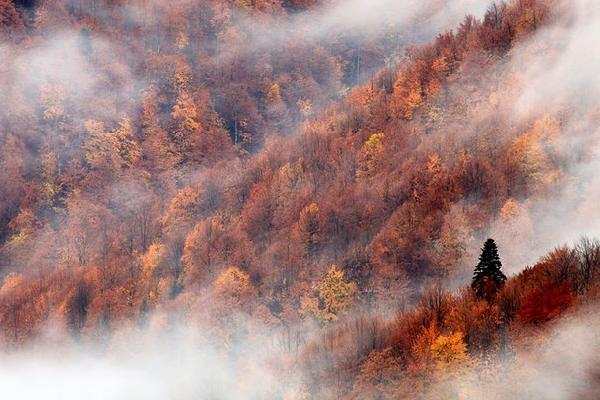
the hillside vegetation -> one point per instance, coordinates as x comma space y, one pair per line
222, 165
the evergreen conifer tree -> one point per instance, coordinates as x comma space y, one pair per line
488, 275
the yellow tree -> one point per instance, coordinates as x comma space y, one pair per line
449, 352
531, 164
234, 288
111, 151
124, 144
185, 115
155, 274
370, 155
332, 296
233, 298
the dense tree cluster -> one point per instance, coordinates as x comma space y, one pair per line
160, 180
158, 203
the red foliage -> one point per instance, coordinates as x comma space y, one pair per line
546, 303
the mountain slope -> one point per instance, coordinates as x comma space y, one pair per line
232, 194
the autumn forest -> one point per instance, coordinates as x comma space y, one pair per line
299, 199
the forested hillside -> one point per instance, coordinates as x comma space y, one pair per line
297, 192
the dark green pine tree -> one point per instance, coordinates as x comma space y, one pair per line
488, 275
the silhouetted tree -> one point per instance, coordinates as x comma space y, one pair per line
488, 275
